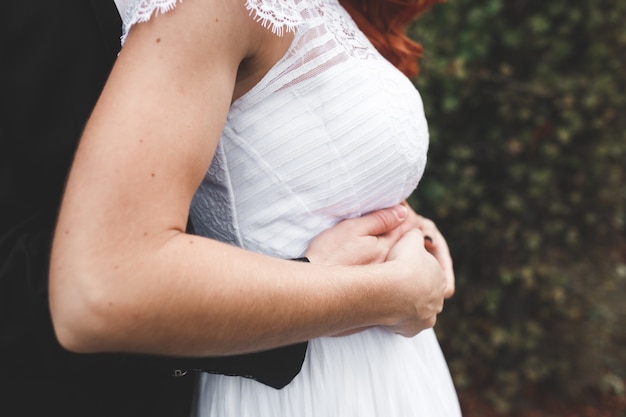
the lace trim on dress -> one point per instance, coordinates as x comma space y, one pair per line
138, 11
276, 15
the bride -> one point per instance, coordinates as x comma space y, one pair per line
321, 127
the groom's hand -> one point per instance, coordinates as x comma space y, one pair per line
359, 241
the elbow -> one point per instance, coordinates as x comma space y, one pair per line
71, 336
79, 315
75, 325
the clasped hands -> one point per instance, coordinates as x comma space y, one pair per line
412, 243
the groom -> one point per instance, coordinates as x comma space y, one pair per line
54, 59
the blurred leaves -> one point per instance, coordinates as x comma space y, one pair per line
527, 179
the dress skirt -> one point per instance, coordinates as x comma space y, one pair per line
370, 374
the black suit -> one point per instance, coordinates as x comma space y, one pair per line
54, 59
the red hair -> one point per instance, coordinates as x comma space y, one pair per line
384, 22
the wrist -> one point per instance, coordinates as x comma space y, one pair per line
393, 293
377, 294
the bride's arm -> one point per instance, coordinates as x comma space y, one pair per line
125, 277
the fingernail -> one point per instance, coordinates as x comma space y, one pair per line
428, 238
400, 212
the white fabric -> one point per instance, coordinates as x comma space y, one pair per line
277, 15
137, 11
332, 131
121, 5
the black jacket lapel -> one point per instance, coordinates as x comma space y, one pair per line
109, 23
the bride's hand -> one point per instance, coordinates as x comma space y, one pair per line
417, 285
359, 241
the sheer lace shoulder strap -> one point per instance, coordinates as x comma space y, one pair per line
277, 15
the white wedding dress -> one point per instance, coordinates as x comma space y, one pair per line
332, 131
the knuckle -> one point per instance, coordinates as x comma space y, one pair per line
384, 218
429, 223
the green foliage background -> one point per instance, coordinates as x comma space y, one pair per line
526, 102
